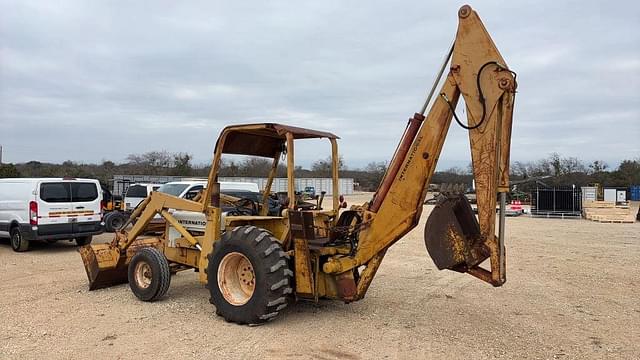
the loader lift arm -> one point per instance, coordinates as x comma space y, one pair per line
105, 263
478, 72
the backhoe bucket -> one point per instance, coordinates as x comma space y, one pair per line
106, 265
452, 235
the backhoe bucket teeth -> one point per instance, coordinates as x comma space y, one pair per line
452, 235
106, 265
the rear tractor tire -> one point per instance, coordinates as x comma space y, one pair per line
18, 242
149, 274
249, 278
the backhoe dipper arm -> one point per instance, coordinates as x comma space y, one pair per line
480, 75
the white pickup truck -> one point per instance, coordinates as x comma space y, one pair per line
195, 221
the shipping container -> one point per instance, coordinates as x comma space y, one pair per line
634, 193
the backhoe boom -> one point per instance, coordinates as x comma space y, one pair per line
478, 72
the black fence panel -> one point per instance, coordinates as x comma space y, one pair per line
556, 202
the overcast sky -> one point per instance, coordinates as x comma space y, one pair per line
94, 80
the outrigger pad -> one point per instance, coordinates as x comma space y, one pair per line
452, 235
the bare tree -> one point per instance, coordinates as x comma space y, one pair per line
598, 166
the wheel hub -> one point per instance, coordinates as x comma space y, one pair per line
143, 274
236, 278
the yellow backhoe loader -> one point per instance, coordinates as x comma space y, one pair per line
254, 264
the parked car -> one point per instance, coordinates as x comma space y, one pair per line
49, 209
195, 221
136, 193
309, 192
189, 189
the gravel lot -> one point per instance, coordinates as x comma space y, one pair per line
573, 291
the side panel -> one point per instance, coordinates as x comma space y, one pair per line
130, 203
14, 203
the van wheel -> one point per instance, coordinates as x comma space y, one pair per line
114, 221
248, 276
84, 240
149, 274
107, 222
18, 243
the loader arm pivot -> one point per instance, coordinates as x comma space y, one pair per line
478, 72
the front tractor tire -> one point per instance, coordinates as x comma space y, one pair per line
248, 276
149, 274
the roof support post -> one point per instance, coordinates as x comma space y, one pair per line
291, 188
335, 162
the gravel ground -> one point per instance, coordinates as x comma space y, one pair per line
573, 292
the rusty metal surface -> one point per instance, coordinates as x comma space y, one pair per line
264, 140
302, 225
346, 286
305, 284
452, 235
101, 263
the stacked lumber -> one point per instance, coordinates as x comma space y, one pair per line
608, 212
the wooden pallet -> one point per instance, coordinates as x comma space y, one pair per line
618, 221
598, 204
608, 212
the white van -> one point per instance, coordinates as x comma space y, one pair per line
49, 209
136, 193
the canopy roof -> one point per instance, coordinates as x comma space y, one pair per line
264, 140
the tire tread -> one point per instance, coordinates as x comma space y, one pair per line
272, 259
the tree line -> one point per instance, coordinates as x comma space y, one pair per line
555, 170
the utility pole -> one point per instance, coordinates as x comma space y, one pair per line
0, 154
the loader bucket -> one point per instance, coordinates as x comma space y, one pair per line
452, 235
106, 265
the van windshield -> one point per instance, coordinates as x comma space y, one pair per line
139, 191
173, 189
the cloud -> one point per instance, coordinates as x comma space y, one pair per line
114, 78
